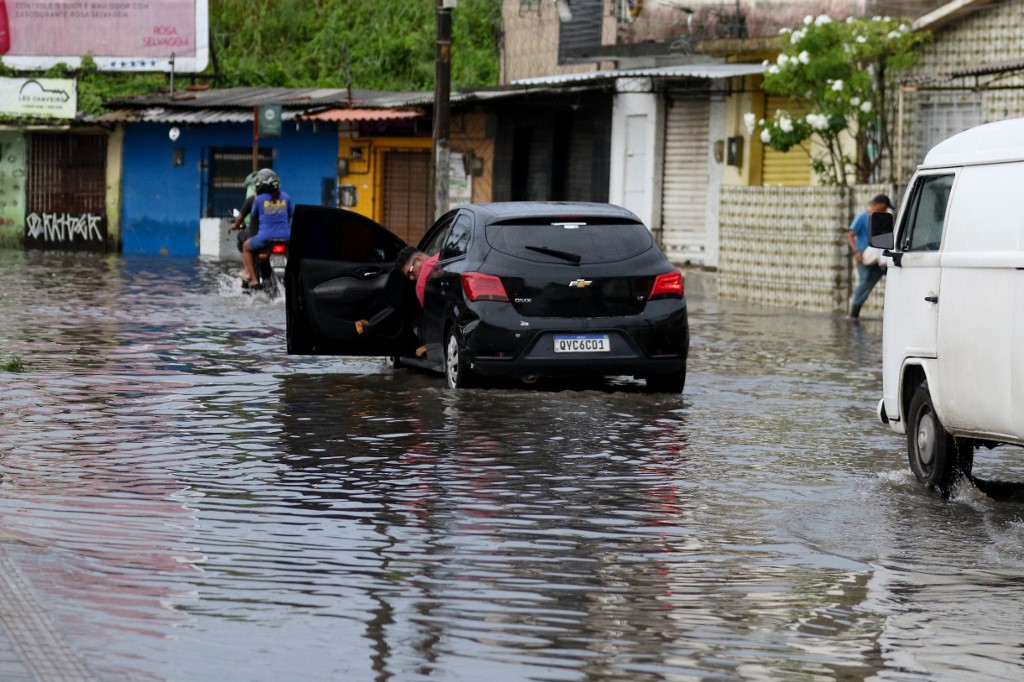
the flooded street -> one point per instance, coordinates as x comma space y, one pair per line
180, 500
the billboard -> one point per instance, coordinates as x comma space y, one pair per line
120, 35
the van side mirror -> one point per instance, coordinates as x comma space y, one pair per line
880, 230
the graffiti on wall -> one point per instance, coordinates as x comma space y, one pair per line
66, 230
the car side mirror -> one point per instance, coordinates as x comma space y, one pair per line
880, 230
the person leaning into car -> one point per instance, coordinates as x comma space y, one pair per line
417, 267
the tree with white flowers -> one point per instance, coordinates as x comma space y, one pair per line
839, 71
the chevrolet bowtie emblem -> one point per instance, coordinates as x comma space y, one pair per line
580, 283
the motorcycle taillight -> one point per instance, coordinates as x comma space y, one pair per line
279, 248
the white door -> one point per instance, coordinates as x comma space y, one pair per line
636, 184
978, 303
686, 176
912, 288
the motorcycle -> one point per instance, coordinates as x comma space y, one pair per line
271, 262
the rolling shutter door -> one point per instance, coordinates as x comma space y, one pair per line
686, 177
407, 194
788, 169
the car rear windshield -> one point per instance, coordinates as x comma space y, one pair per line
574, 241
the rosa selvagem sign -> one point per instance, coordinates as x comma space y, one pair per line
39, 97
120, 35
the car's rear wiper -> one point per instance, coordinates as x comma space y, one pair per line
564, 255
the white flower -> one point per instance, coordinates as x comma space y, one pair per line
837, 86
817, 121
786, 123
783, 59
750, 121
773, 69
761, 123
904, 28
805, 57
893, 35
783, 31
822, 20
866, 107
808, 20
862, 39
766, 136
765, 63
796, 37
855, 101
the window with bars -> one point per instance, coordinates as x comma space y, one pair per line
227, 168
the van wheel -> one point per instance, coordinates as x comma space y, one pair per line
937, 459
456, 370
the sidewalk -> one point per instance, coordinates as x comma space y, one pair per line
32, 649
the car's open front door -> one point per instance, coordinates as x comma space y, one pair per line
340, 271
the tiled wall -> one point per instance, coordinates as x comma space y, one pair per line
786, 247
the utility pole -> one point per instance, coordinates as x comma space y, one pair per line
442, 92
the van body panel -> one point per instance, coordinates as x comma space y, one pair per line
954, 306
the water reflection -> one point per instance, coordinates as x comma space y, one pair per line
187, 502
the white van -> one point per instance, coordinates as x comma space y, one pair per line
953, 340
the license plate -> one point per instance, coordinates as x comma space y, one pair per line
582, 343
278, 261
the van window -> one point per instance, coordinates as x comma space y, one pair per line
927, 214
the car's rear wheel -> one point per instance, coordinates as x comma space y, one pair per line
672, 382
456, 369
937, 459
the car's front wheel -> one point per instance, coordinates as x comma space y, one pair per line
456, 370
936, 458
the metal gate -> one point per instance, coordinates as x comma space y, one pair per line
684, 210
406, 181
66, 192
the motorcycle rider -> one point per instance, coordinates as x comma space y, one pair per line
272, 210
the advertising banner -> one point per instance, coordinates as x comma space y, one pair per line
39, 97
120, 35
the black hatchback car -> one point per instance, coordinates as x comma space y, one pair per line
519, 289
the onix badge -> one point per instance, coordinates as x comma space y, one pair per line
581, 283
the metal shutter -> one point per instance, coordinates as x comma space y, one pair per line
407, 194
686, 176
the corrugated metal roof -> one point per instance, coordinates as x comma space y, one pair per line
247, 98
706, 71
351, 115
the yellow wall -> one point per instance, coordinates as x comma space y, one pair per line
366, 165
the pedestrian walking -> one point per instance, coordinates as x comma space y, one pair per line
869, 267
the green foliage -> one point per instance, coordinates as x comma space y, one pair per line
317, 43
14, 365
840, 71
371, 45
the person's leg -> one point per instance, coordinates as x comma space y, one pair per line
867, 279
250, 263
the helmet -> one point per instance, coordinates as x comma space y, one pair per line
266, 181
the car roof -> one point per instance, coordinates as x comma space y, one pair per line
556, 210
998, 142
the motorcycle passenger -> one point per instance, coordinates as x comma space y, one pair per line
243, 220
272, 213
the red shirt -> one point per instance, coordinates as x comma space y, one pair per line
425, 269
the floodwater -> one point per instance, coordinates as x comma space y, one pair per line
180, 500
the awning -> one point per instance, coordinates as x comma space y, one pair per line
704, 71
354, 115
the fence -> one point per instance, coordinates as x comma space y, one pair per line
786, 247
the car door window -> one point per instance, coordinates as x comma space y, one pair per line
927, 214
436, 237
457, 242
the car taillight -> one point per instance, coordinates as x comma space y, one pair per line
279, 248
479, 287
669, 285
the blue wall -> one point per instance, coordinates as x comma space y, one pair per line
161, 203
